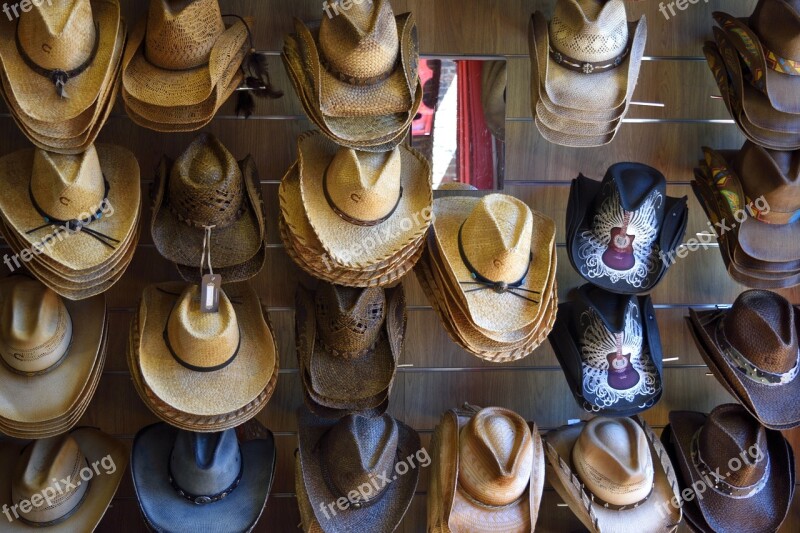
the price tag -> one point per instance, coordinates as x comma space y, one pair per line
210, 288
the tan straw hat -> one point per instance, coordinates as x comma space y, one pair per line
56, 478
614, 472
487, 473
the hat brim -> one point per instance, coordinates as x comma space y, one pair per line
96, 446
36, 95
656, 514
764, 511
384, 515
165, 510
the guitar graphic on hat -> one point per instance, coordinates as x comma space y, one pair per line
619, 253
621, 375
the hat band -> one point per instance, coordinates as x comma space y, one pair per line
597, 500
777, 63
351, 220
499, 287
464, 492
204, 500
45, 347
720, 485
588, 67
58, 77
735, 358
355, 80
194, 368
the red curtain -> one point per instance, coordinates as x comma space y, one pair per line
475, 157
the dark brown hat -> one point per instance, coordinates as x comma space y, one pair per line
745, 472
752, 349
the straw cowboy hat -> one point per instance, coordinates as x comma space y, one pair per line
609, 348
487, 472
39, 469
752, 349
620, 229
348, 195
348, 343
206, 188
52, 352
58, 58
206, 365
338, 459
187, 481
588, 56
614, 472
754, 497
180, 57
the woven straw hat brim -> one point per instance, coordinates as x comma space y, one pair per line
161, 504
37, 96
78, 252
600, 91
487, 309
764, 511
337, 98
654, 515
205, 393
232, 274
384, 515
572, 140
149, 83
335, 234
765, 401
230, 246
574, 127
94, 445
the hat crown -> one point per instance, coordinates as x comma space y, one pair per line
42, 461
203, 340
761, 326
182, 33
364, 186
496, 238
205, 464
206, 185
68, 187
612, 459
58, 35
495, 456
358, 450
588, 30
361, 41
350, 320
773, 174
777, 24
35, 327
731, 432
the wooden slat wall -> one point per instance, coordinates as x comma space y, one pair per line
444, 376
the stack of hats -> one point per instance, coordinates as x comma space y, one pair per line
610, 350
196, 481
614, 473
370, 464
489, 271
585, 65
205, 202
43, 484
752, 350
348, 343
356, 74
52, 353
355, 218
182, 64
752, 196
197, 368
487, 472
756, 63
755, 496
60, 70
71, 220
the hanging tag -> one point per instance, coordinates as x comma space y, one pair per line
210, 289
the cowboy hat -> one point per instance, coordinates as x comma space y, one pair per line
188, 481
27, 474
609, 348
338, 459
618, 229
613, 471
757, 495
752, 349
487, 472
